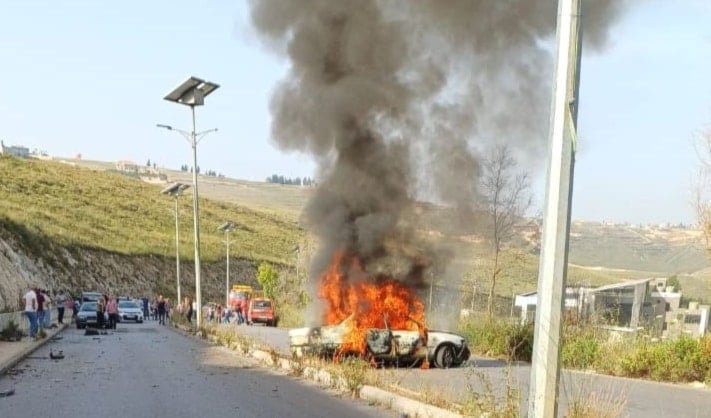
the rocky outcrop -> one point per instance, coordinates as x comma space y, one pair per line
73, 269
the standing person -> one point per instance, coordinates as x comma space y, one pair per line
47, 321
168, 309
189, 310
31, 311
61, 301
40, 307
75, 309
160, 307
112, 310
145, 308
100, 308
239, 308
69, 306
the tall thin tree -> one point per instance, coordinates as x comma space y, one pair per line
506, 197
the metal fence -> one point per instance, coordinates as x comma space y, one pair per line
20, 319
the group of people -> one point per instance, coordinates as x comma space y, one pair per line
216, 313
107, 309
38, 309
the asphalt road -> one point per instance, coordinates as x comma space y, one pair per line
146, 370
640, 398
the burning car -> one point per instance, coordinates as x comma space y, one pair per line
382, 346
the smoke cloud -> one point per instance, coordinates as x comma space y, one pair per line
395, 99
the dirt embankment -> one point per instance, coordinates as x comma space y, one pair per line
75, 269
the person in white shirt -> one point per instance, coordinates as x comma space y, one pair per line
61, 301
31, 311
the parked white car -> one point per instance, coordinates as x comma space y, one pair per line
130, 311
384, 346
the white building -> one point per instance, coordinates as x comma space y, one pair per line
15, 151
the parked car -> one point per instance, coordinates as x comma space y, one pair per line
384, 346
90, 296
87, 315
130, 311
261, 310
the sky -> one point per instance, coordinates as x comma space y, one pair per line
88, 77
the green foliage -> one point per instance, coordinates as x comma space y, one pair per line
581, 347
674, 281
11, 332
682, 360
267, 277
48, 204
499, 338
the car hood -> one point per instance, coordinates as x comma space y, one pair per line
130, 310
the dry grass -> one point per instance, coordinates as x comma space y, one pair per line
590, 397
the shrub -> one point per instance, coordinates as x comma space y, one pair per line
12, 332
499, 338
682, 360
581, 346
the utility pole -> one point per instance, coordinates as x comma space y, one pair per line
545, 365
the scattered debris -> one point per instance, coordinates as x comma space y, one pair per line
91, 331
58, 356
4, 394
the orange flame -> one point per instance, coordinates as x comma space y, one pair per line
348, 293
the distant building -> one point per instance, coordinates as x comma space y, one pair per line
131, 167
629, 306
15, 151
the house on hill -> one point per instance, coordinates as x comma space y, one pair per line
15, 151
628, 307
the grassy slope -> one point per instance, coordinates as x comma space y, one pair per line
110, 211
83, 207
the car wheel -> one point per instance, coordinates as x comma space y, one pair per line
444, 356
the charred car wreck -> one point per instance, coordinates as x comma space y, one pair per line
408, 348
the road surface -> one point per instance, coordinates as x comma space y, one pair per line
147, 370
641, 399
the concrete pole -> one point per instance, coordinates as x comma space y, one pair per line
177, 249
545, 366
196, 223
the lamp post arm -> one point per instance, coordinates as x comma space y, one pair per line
200, 135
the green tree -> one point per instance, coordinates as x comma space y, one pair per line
267, 277
674, 281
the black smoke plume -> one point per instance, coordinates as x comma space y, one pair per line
394, 99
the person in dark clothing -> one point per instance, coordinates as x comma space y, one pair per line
160, 307
189, 310
145, 308
40, 307
100, 309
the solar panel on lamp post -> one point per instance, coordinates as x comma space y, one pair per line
175, 190
192, 92
227, 227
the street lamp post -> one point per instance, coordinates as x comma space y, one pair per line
176, 190
227, 227
192, 92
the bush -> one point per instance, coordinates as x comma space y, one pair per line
682, 360
12, 332
581, 347
500, 338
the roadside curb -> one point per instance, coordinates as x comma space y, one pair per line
22, 354
404, 405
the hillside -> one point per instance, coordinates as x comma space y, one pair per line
57, 217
